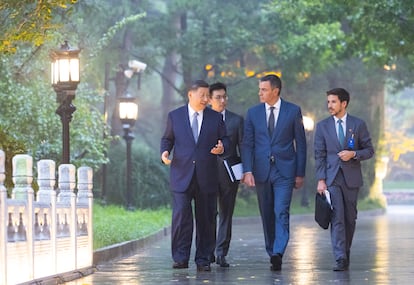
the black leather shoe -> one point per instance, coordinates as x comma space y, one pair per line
221, 260
203, 267
341, 265
276, 261
180, 265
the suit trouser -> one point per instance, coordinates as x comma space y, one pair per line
274, 197
344, 203
226, 202
182, 224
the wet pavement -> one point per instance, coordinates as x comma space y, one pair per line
382, 253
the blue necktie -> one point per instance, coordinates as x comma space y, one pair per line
271, 124
194, 126
341, 136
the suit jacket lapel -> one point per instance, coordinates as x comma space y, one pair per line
263, 118
189, 131
229, 120
332, 132
350, 128
280, 120
206, 115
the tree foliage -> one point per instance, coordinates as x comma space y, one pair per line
28, 21
313, 44
377, 32
28, 102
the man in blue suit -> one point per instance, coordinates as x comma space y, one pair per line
342, 141
197, 135
227, 187
274, 160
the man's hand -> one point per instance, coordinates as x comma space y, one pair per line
248, 179
321, 187
299, 181
165, 159
218, 148
346, 155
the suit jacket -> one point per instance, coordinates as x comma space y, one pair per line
234, 128
189, 156
327, 162
287, 144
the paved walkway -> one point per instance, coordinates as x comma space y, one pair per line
382, 253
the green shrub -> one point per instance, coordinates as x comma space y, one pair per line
11, 147
149, 177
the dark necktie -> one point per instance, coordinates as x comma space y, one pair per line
341, 136
271, 124
194, 126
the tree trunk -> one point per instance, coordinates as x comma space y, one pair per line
170, 74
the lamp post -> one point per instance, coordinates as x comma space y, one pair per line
308, 124
65, 80
128, 114
121, 80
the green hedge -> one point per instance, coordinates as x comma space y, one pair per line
150, 184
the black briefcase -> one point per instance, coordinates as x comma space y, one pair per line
323, 211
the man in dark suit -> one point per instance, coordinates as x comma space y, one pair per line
274, 160
197, 134
342, 141
227, 188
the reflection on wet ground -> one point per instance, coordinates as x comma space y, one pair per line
382, 253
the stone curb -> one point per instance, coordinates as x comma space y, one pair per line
128, 248
62, 277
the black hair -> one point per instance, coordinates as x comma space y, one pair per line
274, 80
198, 83
218, 86
342, 94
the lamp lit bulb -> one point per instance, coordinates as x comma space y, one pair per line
128, 73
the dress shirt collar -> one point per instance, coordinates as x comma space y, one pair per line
191, 112
276, 105
343, 118
224, 114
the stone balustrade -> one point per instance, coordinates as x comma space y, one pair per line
48, 232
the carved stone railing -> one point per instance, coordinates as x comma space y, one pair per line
49, 233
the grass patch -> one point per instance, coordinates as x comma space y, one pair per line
113, 224
394, 185
370, 204
246, 207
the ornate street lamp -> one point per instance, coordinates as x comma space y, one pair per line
128, 114
65, 80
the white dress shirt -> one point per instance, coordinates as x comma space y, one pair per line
191, 112
343, 124
275, 111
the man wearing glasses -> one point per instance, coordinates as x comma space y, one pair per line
228, 184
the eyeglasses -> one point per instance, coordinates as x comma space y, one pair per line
220, 97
